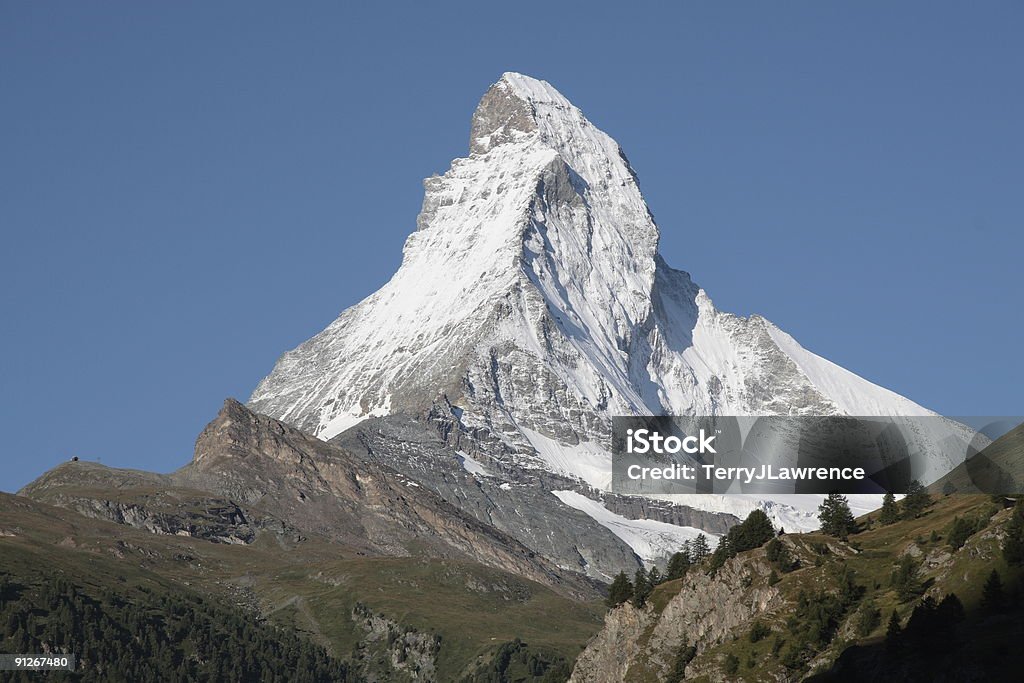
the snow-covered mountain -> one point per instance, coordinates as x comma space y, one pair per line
532, 305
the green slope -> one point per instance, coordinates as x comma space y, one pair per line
999, 468
813, 622
368, 611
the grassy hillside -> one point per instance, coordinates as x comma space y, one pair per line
997, 468
824, 639
814, 607
388, 616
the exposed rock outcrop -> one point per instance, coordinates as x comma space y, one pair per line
322, 488
389, 651
641, 644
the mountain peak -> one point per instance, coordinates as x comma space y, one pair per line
522, 109
531, 89
505, 113
539, 238
533, 301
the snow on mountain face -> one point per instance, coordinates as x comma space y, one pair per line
650, 540
532, 301
539, 239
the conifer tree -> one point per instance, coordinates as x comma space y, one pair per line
684, 655
779, 557
700, 549
1013, 545
916, 500
869, 618
992, 597
959, 531
679, 564
890, 510
641, 588
620, 590
892, 630
904, 579
731, 665
654, 577
753, 532
950, 610
835, 516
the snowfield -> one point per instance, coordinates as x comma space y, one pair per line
652, 541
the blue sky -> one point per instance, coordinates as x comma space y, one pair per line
188, 190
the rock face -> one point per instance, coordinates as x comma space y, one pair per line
219, 521
322, 488
636, 507
152, 502
409, 654
641, 644
520, 501
517, 502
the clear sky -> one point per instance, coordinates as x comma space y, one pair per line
189, 189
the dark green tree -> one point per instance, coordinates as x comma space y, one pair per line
849, 591
950, 610
620, 590
759, 631
684, 655
779, 558
931, 623
755, 531
773, 552
960, 530
723, 552
1013, 544
892, 629
890, 510
868, 618
993, 599
916, 501
904, 579
641, 588
731, 665
835, 516
700, 549
654, 577
679, 564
